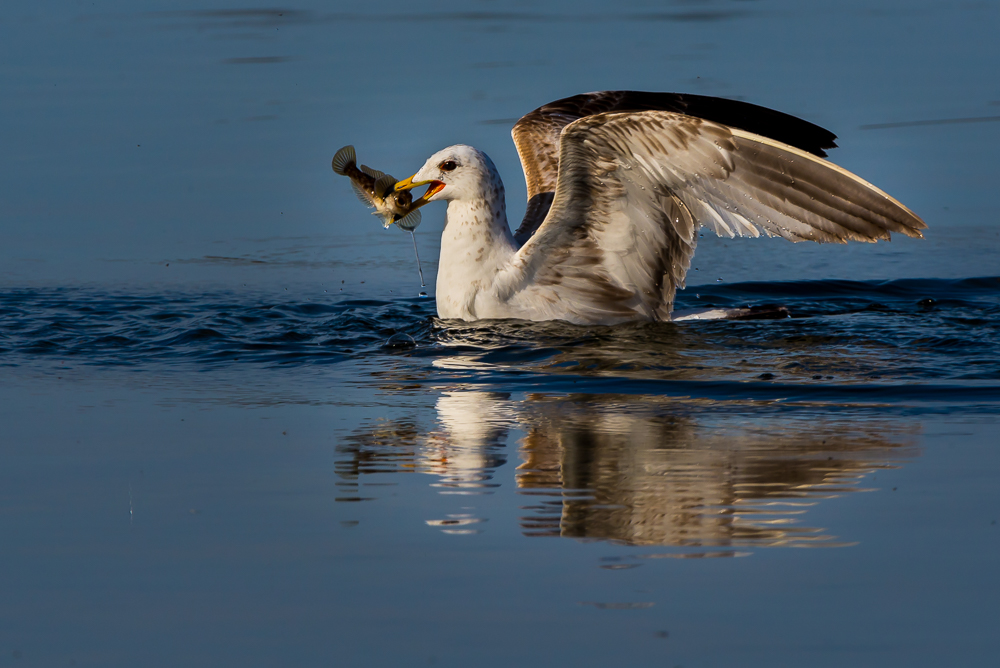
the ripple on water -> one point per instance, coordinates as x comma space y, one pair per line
840, 333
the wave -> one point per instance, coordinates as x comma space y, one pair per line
840, 338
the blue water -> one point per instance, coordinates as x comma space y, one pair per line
235, 434
889, 337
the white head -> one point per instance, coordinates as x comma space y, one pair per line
457, 173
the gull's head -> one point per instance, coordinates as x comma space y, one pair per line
455, 173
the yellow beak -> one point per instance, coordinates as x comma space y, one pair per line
408, 184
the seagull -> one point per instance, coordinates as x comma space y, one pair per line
619, 184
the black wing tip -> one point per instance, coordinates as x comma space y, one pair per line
747, 116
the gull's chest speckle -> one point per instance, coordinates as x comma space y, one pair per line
475, 245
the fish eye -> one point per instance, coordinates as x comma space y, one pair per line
448, 165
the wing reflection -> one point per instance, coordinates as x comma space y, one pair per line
642, 470
624, 470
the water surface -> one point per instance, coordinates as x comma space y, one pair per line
235, 434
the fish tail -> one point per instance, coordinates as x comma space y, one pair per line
344, 159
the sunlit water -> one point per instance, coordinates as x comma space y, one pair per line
234, 434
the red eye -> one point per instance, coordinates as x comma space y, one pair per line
448, 165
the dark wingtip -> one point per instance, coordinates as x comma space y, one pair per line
753, 118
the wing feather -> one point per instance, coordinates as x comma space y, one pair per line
633, 189
536, 135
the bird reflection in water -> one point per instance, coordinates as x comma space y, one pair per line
642, 470
619, 469
464, 452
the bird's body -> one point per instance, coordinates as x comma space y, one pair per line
478, 245
616, 199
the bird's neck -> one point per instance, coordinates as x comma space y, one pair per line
475, 245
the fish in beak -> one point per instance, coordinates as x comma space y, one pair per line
377, 189
408, 184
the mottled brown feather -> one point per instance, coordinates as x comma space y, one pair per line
633, 189
536, 135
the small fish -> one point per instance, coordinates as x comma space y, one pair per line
376, 189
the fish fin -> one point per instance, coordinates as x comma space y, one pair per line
343, 159
365, 198
384, 185
387, 218
374, 173
410, 221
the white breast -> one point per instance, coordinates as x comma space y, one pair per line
475, 245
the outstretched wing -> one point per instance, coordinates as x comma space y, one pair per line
633, 189
536, 135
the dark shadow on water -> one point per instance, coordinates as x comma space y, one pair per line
257, 60
269, 19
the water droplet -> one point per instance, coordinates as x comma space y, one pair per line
398, 342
